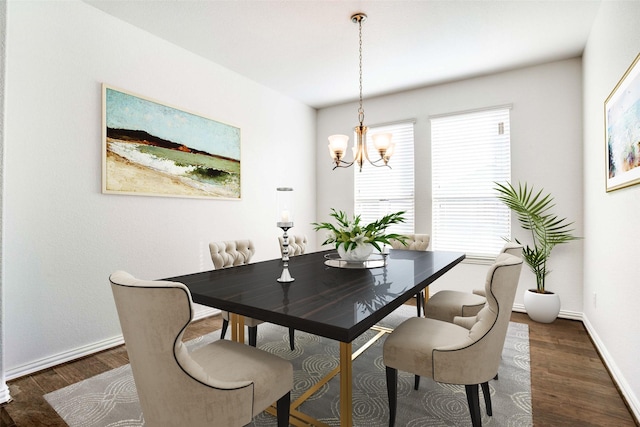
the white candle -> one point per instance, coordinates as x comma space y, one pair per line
284, 216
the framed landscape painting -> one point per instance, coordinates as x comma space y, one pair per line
622, 131
156, 150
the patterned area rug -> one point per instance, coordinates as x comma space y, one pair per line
110, 399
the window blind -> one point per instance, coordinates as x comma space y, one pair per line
379, 191
469, 153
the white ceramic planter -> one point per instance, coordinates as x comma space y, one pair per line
358, 254
543, 308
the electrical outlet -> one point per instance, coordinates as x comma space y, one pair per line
595, 298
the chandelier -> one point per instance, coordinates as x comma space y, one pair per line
382, 141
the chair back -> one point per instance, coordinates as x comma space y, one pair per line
512, 248
231, 253
415, 242
170, 384
476, 360
297, 244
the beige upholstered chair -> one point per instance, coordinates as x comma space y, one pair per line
297, 244
233, 253
447, 304
511, 248
415, 242
453, 354
224, 383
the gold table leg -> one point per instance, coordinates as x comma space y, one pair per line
237, 327
345, 369
346, 385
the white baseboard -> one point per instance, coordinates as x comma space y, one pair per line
4, 393
204, 311
564, 314
200, 313
618, 378
64, 357
518, 308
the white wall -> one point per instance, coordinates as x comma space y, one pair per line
611, 219
546, 143
62, 237
4, 389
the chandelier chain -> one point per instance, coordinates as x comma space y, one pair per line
360, 109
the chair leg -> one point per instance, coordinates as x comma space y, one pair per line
416, 382
392, 394
473, 399
225, 325
487, 397
283, 408
419, 302
253, 335
291, 339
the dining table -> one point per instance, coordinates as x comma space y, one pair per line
327, 297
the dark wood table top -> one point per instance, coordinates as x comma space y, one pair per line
335, 303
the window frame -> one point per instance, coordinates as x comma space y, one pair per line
453, 189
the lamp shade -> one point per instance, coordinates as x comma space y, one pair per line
338, 143
382, 141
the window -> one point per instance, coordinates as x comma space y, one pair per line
469, 153
379, 190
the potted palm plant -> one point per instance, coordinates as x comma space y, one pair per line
533, 210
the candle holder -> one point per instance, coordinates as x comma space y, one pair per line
285, 277
285, 222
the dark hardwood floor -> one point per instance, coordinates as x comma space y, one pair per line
570, 386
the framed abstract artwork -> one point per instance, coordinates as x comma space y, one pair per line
622, 130
153, 149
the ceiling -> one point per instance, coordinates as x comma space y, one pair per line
308, 49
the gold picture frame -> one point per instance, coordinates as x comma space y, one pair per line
622, 130
153, 149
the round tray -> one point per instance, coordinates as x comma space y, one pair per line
374, 261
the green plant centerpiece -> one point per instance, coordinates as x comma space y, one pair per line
353, 240
533, 210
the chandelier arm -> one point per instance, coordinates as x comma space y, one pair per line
361, 132
373, 162
343, 164
364, 143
